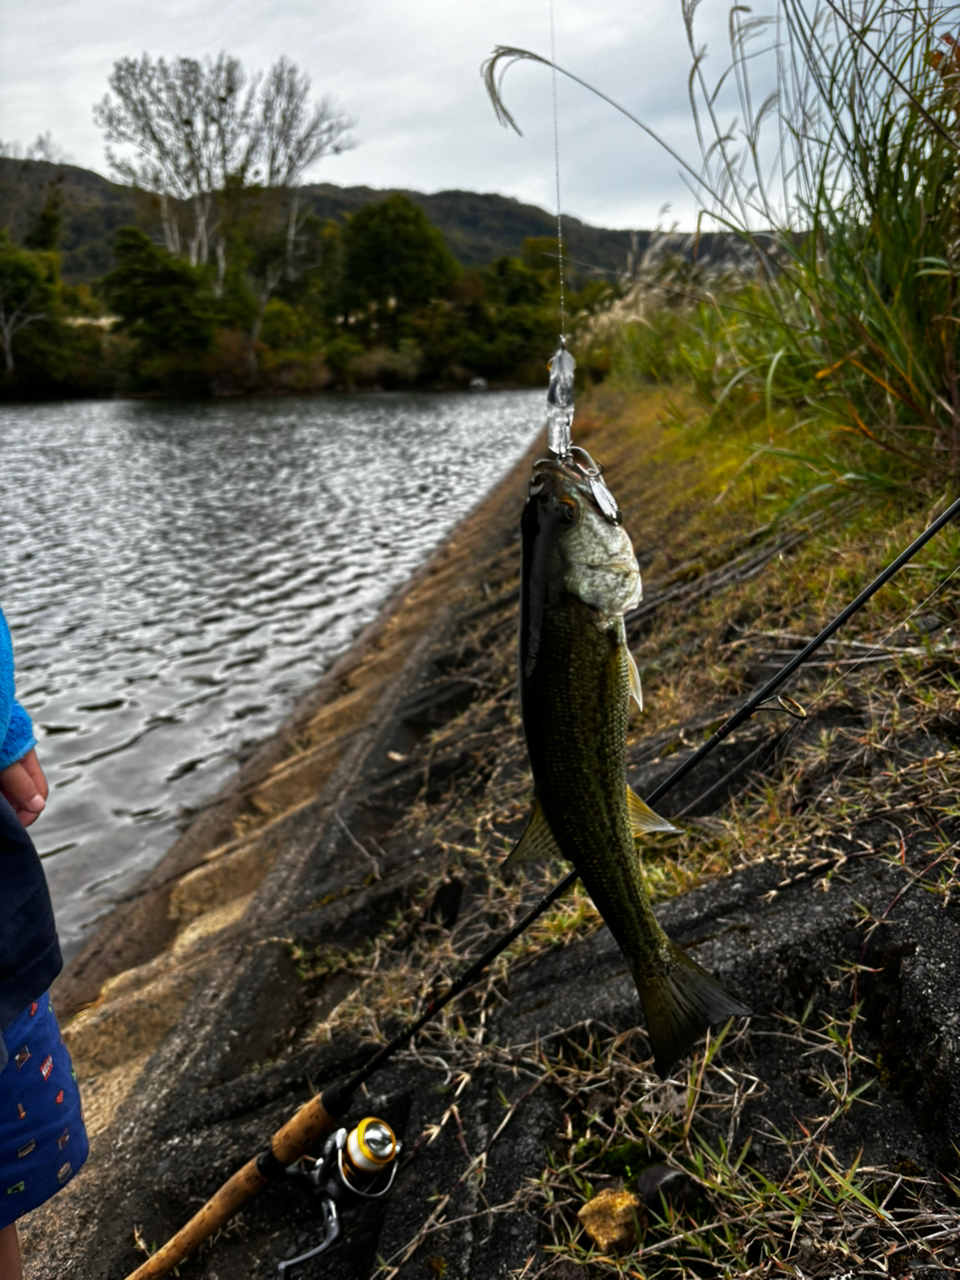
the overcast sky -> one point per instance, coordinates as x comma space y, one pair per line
409, 74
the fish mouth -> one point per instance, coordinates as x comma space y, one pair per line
563, 470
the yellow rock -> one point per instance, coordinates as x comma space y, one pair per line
231, 875
209, 924
131, 1024
610, 1219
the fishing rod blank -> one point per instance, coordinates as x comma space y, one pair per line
318, 1118
754, 702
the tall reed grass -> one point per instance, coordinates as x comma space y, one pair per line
830, 148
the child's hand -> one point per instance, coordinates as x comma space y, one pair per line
23, 785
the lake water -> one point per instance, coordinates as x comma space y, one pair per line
176, 575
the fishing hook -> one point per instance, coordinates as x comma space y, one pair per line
592, 472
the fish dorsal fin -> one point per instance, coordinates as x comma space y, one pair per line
537, 841
635, 690
641, 817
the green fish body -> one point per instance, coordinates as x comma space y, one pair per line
579, 577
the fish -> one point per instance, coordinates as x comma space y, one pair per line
579, 576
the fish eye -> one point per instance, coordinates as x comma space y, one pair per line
569, 511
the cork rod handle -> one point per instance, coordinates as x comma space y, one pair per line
314, 1121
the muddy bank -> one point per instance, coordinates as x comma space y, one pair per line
354, 863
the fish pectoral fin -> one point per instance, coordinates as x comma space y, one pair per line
538, 841
641, 817
635, 691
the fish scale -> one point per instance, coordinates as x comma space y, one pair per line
577, 744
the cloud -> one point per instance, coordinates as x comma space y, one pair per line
410, 75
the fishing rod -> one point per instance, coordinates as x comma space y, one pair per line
320, 1117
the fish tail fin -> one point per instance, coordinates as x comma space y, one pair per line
680, 1004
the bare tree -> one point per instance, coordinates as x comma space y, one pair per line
197, 127
191, 124
26, 294
293, 137
13, 318
44, 148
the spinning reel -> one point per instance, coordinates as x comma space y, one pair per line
355, 1165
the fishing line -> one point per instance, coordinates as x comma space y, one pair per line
556, 167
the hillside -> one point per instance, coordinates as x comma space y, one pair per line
93, 209
478, 227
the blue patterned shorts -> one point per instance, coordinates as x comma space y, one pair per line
43, 1141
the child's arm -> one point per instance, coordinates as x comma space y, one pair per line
24, 787
22, 782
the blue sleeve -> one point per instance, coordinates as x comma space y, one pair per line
16, 731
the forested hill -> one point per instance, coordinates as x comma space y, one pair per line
478, 228
93, 209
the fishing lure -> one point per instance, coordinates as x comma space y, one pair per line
560, 408
560, 401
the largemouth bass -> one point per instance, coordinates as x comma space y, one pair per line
579, 577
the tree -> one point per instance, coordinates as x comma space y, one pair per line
196, 126
44, 148
160, 299
189, 123
27, 293
395, 261
292, 138
44, 235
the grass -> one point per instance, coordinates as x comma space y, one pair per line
817, 1213
732, 1219
829, 144
767, 1200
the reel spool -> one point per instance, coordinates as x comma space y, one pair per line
356, 1164
370, 1151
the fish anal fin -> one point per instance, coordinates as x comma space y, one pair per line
680, 1005
537, 841
642, 818
635, 691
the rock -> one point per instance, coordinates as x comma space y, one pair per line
611, 1219
661, 1182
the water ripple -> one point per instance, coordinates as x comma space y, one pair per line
176, 575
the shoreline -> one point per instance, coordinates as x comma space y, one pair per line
140, 926
156, 690
279, 394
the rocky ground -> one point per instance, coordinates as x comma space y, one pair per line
352, 867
